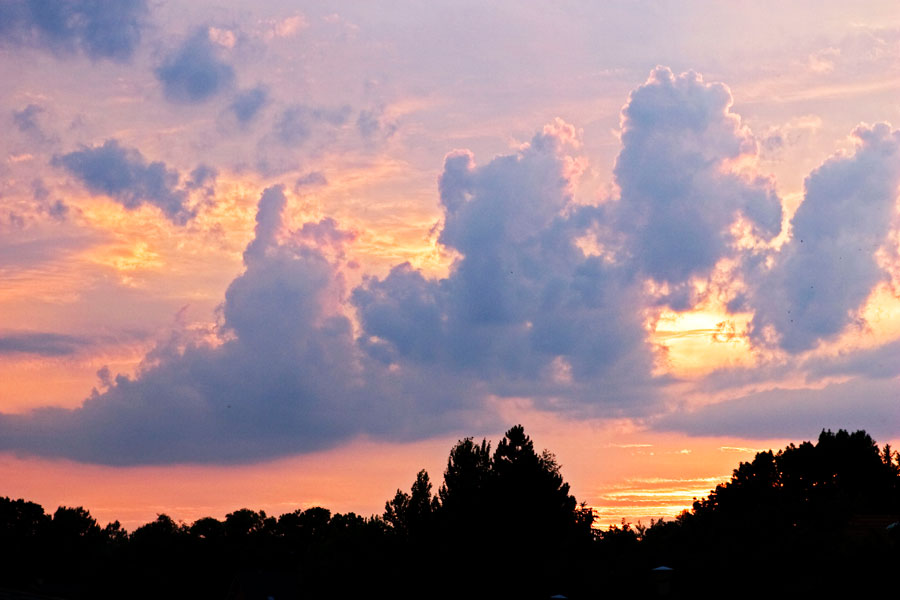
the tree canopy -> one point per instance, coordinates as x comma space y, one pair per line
813, 516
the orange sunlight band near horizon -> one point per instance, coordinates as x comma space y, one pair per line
630, 475
619, 473
640, 500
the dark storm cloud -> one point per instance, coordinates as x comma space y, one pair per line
125, 176
195, 71
99, 28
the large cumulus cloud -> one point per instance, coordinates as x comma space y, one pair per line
526, 310
678, 198
285, 377
523, 309
109, 29
823, 275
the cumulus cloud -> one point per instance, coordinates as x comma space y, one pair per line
524, 312
285, 378
678, 199
826, 271
109, 29
523, 308
125, 176
195, 72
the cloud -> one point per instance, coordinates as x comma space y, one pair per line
56, 209
41, 344
297, 123
874, 363
20, 256
827, 270
526, 311
125, 176
109, 29
798, 413
247, 103
194, 72
523, 310
311, 179
299, 130
678, 199
27, 121
202, 176
285, 378
372, 124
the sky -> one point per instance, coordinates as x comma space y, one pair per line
279, 254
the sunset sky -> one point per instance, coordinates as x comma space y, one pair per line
277, 254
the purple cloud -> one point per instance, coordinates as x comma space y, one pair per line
109, 29
125, 176
194, 72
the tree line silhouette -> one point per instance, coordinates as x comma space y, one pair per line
814, 518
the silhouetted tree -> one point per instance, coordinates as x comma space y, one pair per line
246, 522
23, 540
209, 529
817, 485
411, 515
115, 534
811, 516
303, 528
76, 543
21, 520
535, 501
467, 478
804, 501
